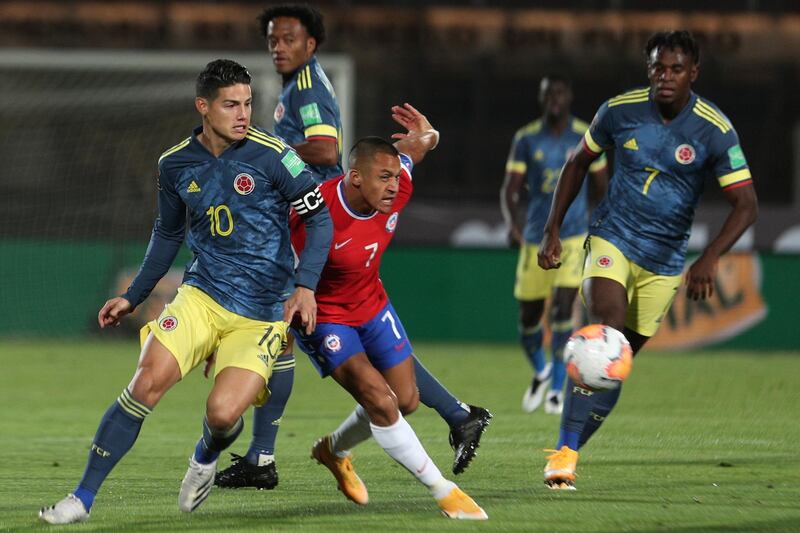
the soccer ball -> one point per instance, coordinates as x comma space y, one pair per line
598, 357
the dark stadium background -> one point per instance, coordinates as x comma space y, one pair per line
473, 67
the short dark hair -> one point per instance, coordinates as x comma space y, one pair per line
554, 77
682, 39
366, 147
308, 16
218, 74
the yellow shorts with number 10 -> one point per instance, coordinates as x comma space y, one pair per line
535, 283
194, 326
649, 295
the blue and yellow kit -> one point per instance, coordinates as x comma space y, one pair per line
659, 174
539, 154
237, 210
307, 109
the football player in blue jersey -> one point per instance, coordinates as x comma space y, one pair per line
232, 185
538, 152
667, 142
307, 117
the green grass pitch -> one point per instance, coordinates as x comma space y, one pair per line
699, 442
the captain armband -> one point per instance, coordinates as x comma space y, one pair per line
309, 203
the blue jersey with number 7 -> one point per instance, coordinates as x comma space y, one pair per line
659, 174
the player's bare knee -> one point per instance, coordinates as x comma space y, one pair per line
147, 388
530, 313
380, 403
409, 402
221, 417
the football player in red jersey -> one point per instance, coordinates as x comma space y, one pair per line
359, 339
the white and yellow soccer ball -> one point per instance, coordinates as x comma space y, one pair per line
598, 357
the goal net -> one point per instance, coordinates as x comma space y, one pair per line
80, 134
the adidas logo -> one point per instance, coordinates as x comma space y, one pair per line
193, 187
630, 144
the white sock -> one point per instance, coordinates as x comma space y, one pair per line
402, 445
353, 431
264, 459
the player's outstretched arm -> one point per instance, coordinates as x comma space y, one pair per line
569, 184
420, 138
113, 310
744, 211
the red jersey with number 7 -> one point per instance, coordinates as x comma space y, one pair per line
350, 290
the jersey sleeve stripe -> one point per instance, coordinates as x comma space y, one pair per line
516, 167
634, 92
323, 130
253, 138
734, 177
724, 128
265, 136
631, 100
700, 103
273, 141
737, 185
598, 164
180, 146
590, 144
704, 111
304, 79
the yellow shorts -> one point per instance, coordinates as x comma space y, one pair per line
649, 295
535, 283
193, 326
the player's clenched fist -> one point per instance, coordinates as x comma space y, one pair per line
112, 311
549, 255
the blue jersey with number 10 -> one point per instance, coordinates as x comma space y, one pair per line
659, 173
237, 210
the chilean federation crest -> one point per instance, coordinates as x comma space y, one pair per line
391, 224
685, 154
244, 184
333, 343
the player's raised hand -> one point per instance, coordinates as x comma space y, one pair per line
113, 310
549, 255
421, 136
700, 277
302, 304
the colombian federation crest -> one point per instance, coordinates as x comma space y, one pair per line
279, 112
333, 343
391, 224
685, 154
244, 184
604, 261
168, 323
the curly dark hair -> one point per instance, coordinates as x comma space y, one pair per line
308, 16
682, 39
218, 74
